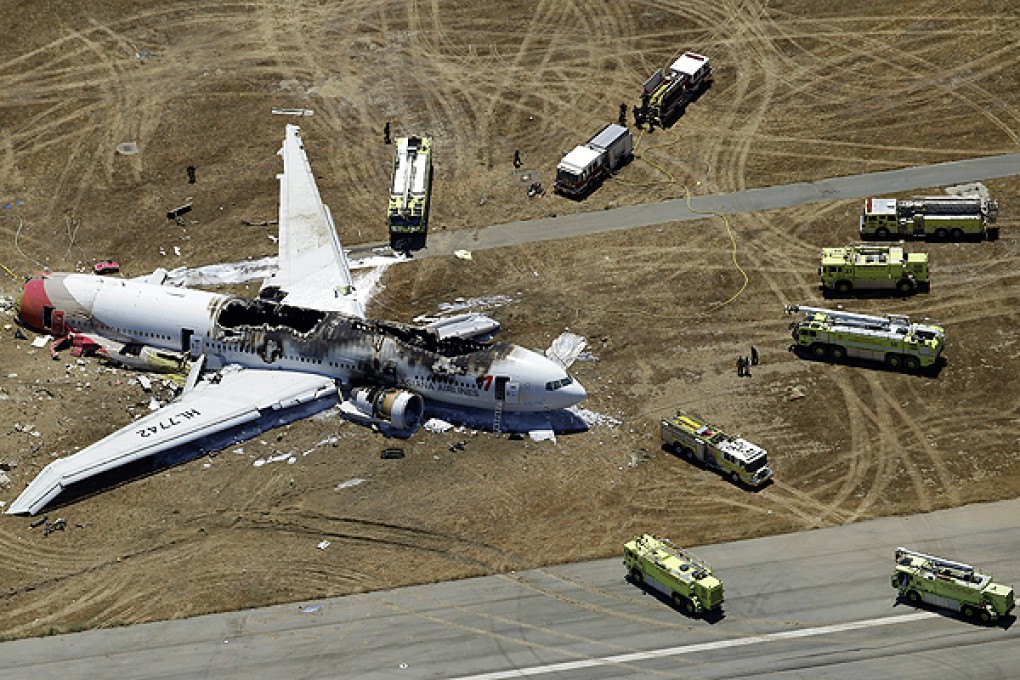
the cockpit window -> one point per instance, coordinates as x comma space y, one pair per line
557, 384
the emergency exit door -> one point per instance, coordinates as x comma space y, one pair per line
507, 391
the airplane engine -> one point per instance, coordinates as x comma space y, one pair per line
399, 409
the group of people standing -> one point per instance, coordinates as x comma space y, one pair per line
744, 364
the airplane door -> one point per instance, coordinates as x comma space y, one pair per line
57, 325
507, 391
186, 334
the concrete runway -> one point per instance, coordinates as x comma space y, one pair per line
701, 207
816, 604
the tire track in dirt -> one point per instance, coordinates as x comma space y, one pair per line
860, 456
889, 57
890, 451
97, 64
315, 524
796, 79
100, 583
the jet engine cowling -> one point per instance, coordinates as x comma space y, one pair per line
396, 408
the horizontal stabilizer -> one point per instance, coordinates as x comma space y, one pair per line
235, 404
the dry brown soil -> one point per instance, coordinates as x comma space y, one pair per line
804, 90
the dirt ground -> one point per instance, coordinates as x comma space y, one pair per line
803, 91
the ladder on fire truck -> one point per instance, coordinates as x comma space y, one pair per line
409, 168
936, 563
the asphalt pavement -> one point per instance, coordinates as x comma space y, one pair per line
816, 604
886, 183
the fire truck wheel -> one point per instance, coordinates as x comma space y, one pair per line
837, 353
957, 234
913, 597
968, 611
905, 286
985, 616
893, 360
818, 350
735, 478
911, 364
941, 234
636, 576
843, 287
882, 233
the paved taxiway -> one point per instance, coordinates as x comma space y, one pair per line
816, 604
750, 200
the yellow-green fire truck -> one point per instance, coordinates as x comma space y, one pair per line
687, 581
939, 217
733, 457
892, 339
873, 267
950, 585
410, 193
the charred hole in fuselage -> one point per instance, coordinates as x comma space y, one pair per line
258, 313
427, 340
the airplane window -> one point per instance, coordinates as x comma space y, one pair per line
557, 384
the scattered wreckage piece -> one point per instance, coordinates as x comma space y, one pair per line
106, 267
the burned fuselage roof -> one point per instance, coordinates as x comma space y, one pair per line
239, 316
239, 312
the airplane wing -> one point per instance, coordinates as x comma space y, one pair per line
234, 405
313, 269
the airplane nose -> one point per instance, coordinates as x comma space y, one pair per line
571, 394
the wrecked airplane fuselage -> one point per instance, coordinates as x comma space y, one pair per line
266, 334
368, 353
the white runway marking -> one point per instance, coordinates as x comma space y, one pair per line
701, 647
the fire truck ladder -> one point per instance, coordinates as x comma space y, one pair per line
935, 562
852, 319
412, 156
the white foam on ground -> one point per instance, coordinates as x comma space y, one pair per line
971, 190
222, 274
592, 418
368, 274
476, 303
